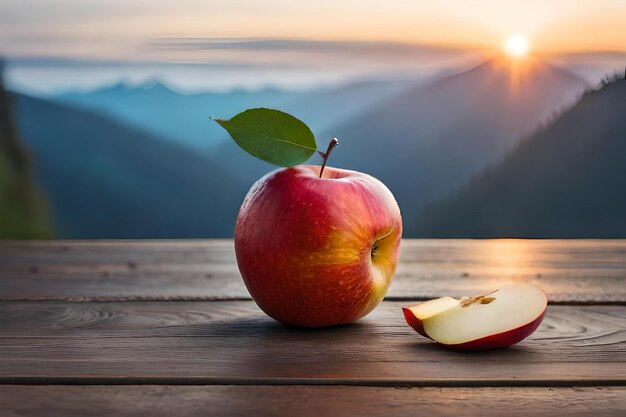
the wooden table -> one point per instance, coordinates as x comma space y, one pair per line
167, 329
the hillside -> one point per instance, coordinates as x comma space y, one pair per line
107, 180
428, 141
23, 212
568, 180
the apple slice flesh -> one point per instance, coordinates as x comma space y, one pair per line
497, 319
416, 315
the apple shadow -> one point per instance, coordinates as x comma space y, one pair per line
515, 352
263, 327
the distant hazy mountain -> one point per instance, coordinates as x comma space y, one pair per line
429, 140
319, 110
324, 108
23, 212
107, 180
567, 180
184, 118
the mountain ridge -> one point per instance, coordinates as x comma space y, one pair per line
566, 180
183, 117
428, 141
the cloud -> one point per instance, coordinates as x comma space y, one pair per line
223, 63
595, 55
52, 62
252, 53
301, 45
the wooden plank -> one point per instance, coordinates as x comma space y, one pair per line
572, 271
314, 401
232, 342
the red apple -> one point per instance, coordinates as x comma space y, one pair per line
497, 319
318, 251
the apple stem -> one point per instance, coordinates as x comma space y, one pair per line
333, 142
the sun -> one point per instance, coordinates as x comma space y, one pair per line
516, 46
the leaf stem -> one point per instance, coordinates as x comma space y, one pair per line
333, 142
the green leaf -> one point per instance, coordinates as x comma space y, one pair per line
271, 135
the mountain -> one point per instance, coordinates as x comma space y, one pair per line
319, 109
23, 211
568, 180
429, 140
324, 108
182, 118
108, 180
158, 114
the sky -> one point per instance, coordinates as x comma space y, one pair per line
55, 44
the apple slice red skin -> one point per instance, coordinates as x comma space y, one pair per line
500, 340
414, 322
494, 341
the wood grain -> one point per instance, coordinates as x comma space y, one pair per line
574, 271
226, 358
314, 401
232, 342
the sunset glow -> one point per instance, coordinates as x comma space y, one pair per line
516, 46
245, 44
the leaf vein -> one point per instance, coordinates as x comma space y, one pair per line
271, 138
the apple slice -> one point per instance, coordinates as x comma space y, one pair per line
497, 319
